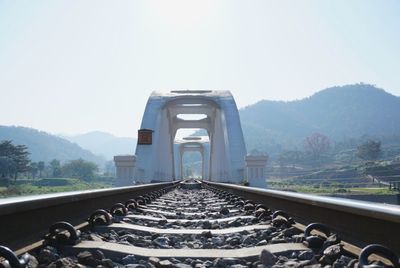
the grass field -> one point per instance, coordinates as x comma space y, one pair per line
52, 185
335, 190
372, 191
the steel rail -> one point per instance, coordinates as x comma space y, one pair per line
25, 220
358, 222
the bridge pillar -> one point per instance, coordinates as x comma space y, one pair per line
255, 169
125, 165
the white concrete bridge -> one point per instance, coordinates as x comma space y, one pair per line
159, 152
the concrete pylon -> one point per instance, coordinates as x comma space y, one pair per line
255, 170
125, 165
161, 121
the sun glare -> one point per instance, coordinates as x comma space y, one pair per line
180, 13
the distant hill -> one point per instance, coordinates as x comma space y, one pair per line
341, 113
46, 147
344, 112
104, 144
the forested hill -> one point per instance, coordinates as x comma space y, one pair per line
344, 112
46, 147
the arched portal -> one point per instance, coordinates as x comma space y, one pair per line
156, 160
199, 144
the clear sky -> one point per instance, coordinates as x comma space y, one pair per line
75, 66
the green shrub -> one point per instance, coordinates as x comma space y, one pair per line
54, 182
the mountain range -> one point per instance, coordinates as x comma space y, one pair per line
341, 113
43, 146
104, 144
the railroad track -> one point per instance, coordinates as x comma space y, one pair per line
193, 224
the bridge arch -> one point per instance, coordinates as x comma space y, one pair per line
157, 161
199, 144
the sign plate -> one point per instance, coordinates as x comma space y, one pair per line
145, 136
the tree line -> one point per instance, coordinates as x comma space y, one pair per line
318, 151
15, 163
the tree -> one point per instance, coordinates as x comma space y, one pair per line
21, 159
55, 167
18, 154
291, 158
110, 168
6, 148
80, 169
317, 145
7, 167
369, 150
34, 169
41, 167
